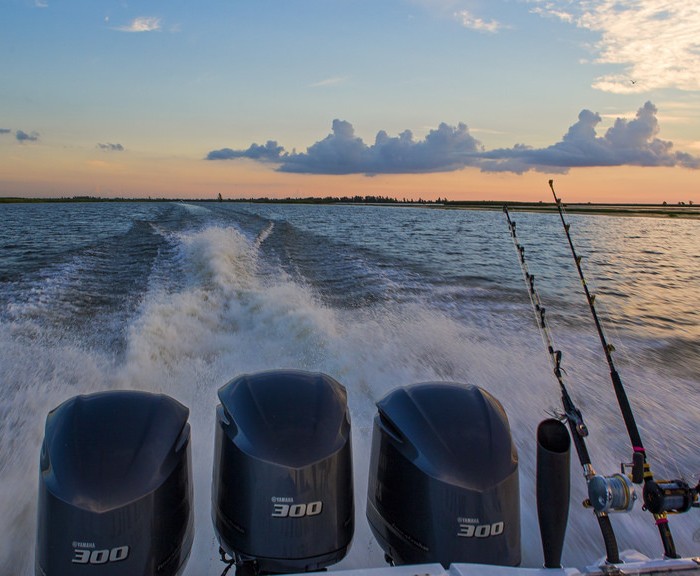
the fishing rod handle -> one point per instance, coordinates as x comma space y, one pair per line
612, 554
666, 536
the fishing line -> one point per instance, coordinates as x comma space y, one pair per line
660, 497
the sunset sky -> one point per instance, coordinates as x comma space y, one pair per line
464, 99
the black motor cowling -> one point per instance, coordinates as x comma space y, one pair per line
443, 480
282, 497
115, 489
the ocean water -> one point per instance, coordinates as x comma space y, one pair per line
180, 298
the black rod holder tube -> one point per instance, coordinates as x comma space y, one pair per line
553, 488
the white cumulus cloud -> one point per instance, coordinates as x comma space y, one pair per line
445, 148
628, 142
656, 42
468, 20
141, 24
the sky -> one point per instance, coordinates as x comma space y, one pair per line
457, 99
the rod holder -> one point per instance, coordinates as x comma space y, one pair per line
553, 488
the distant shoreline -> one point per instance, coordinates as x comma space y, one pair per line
690, 211
640, 210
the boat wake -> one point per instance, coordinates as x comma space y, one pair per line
214, 310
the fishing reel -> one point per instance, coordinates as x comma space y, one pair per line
617, 493
614, 493
670, 496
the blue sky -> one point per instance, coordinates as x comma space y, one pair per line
117, 86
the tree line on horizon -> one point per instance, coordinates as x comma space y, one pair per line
356, 199
289, 200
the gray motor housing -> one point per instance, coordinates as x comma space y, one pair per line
115, 488
443, 479
282, 497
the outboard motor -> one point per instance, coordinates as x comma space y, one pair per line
443, 480
115, 489
282, 497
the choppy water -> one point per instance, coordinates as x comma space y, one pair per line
179, 298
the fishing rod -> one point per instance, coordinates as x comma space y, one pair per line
661, 497
572, 415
